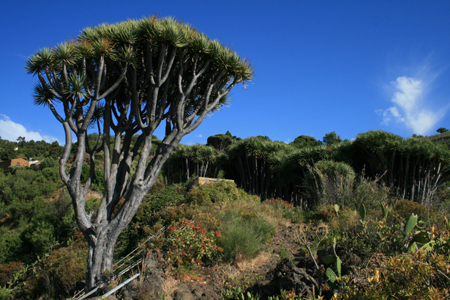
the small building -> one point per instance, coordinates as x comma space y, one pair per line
19, 162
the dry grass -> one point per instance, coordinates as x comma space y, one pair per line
250, 265
169, 286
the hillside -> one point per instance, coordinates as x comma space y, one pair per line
271, 249
442, 138
338, 211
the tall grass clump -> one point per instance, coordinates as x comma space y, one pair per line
278, 209
243, 235
370, 193
330, 182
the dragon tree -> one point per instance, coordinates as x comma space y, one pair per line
120, 80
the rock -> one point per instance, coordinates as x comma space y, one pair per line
288, 277
183, 294
193, 291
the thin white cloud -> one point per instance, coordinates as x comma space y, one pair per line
199, 135
409, 107
10, 131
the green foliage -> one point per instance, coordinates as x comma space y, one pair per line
188, 244
10, 245
220, 141
304, 141
414, 167
98, 183
189, 161
218, 192
285, 209
405, 276
385, 210
59, 272
370, 193
336, 209
331, 138
243, 235
404, 208
330, 182
7, 150
6, 293
36, 150
30, 224
7, 271
160, 207
442, 130
362, 212
391, 237
334, 278
410, 224
283, 254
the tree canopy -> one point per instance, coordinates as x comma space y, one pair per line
220, 141
305, 141
125, 79
331, 138
442, 130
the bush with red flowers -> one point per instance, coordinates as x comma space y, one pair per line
188, 243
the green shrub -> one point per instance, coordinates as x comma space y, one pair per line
330, 182
188, 244
6, 293
243, 235
218, 192
8, 270
403, 209
10, 243
160, 207
208, 217
48, 162
405, 276
345, 220
59, 272
370, 193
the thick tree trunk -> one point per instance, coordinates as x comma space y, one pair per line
102, 243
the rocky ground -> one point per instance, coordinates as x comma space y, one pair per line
283, 265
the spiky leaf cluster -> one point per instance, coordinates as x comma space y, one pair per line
157, 51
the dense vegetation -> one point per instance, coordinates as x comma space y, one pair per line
28, 150
414, 167
359, 190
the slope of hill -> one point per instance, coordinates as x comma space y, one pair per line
442, 138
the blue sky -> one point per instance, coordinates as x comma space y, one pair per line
320, 66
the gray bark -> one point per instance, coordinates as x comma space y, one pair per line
140, 101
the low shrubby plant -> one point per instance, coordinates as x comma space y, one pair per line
370, 193
404, 208
415, 259
331, 182
58, 272
188, 244
7, 271
207, 216
404, 276
219, 192
244, 234
285, 209
342, 188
